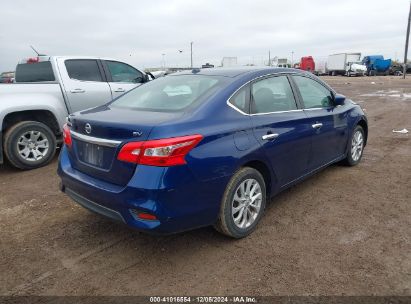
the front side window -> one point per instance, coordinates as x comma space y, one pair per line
170, 93
83, 69
121, 72
314, 94
272, 94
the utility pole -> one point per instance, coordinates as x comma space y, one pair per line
406, 43
292, 58
269, 58
191, 47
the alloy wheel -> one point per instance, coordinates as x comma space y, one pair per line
32, 146
246, 203
357, 145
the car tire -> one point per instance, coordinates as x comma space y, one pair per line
243, 203
29, 145
356, 147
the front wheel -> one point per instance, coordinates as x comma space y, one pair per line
243, 203
356, 148
29, 145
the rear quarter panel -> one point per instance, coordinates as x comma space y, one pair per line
36, 96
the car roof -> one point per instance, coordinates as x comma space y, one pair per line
234, 71
89, 57
46, 57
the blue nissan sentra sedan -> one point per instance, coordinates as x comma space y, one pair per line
207, 147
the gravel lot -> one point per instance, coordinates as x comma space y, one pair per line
345, 231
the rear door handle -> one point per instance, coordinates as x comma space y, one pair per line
317, 125
119, 90
78, 91
270, 136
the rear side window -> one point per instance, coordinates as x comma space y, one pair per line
314, 94
121, 72
83, 69
240, 99
34, 72
272, 94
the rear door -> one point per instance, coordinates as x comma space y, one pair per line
328, 123
281, 127
84, 83
122, 77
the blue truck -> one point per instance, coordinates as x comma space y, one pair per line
377, 65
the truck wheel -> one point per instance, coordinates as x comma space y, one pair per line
243, 204
29, 145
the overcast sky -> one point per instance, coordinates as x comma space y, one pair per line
139, 32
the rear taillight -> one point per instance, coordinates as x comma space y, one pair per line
67, 136
146, 216
160, 152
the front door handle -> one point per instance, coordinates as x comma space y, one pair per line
119, 90
317, 125
270, 136
78, 91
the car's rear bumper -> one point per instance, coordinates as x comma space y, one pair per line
176, 197
92, 206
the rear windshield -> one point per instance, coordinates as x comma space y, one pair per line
34, 72
170, 93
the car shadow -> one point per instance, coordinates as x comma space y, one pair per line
7, 169
124, 241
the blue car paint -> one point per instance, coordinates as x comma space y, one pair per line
189, 196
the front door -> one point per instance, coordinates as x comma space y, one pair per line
280, 127
122, 77
328, 123
84, 83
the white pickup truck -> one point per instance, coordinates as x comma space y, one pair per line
49, 88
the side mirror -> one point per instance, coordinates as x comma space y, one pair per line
149, 77
339, 100
139, 79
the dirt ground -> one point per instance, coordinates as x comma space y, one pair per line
345, 231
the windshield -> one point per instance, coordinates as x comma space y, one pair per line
171, 93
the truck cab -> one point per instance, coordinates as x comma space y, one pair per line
376, 64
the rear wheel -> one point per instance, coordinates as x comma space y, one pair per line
29, 145
243, 203
356, 148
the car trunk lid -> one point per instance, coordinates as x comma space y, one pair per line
99, 134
